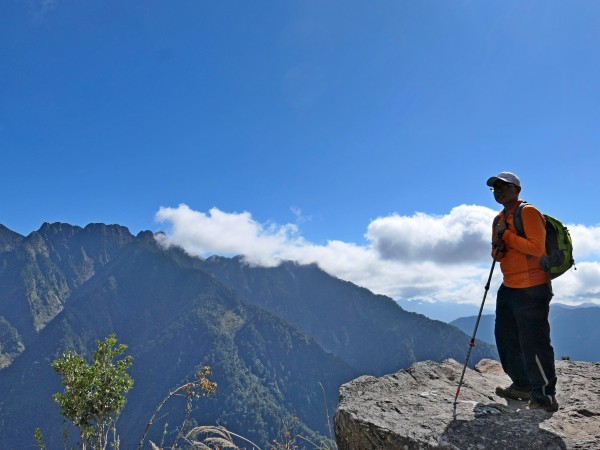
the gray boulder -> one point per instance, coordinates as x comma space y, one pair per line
413, 409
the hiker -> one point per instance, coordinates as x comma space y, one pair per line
523, 301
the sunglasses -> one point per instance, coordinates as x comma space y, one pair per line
501, 187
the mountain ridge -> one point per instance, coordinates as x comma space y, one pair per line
333, 314
280, 340
186, 334
573, 330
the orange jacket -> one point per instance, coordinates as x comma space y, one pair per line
520, 264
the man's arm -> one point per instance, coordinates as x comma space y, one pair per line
534, 225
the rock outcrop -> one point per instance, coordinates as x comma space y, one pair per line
413, 409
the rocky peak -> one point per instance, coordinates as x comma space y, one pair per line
108, 230
413, 409
8, 239
146, 235
58, 228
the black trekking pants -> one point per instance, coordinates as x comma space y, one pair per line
523, 339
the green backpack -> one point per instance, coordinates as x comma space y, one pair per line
559, 247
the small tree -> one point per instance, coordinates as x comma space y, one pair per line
95, 393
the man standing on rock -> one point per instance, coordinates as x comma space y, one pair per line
523, 302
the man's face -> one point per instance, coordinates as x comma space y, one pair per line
505, 193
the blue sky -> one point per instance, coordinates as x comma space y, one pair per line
315, 130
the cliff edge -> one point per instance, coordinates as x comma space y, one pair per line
413, 409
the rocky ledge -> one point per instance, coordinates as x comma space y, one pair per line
413, 409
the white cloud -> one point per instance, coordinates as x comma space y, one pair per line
586, 241
577, 286
456, 237
442, 258
226, 233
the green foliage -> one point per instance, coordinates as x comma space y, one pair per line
566, 358
39, 438
94, 393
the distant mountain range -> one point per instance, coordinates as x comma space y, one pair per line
273, 336
574, 331
444, 311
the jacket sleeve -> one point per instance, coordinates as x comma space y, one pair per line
534, 225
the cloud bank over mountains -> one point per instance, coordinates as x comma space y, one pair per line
423, 256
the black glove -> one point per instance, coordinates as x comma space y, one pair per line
498, 243
500, 229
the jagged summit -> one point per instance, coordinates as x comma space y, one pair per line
106, 228
58, 227
145, 234
62, 228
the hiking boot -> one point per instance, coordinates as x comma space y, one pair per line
550, 407
512, 393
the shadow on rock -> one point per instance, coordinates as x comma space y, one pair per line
499, 426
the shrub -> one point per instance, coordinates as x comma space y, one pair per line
94, 393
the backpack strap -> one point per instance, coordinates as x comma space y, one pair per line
496, 220
518, 221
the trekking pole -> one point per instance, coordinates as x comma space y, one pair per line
472, 343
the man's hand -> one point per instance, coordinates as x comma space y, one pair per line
500, 229
498, 243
